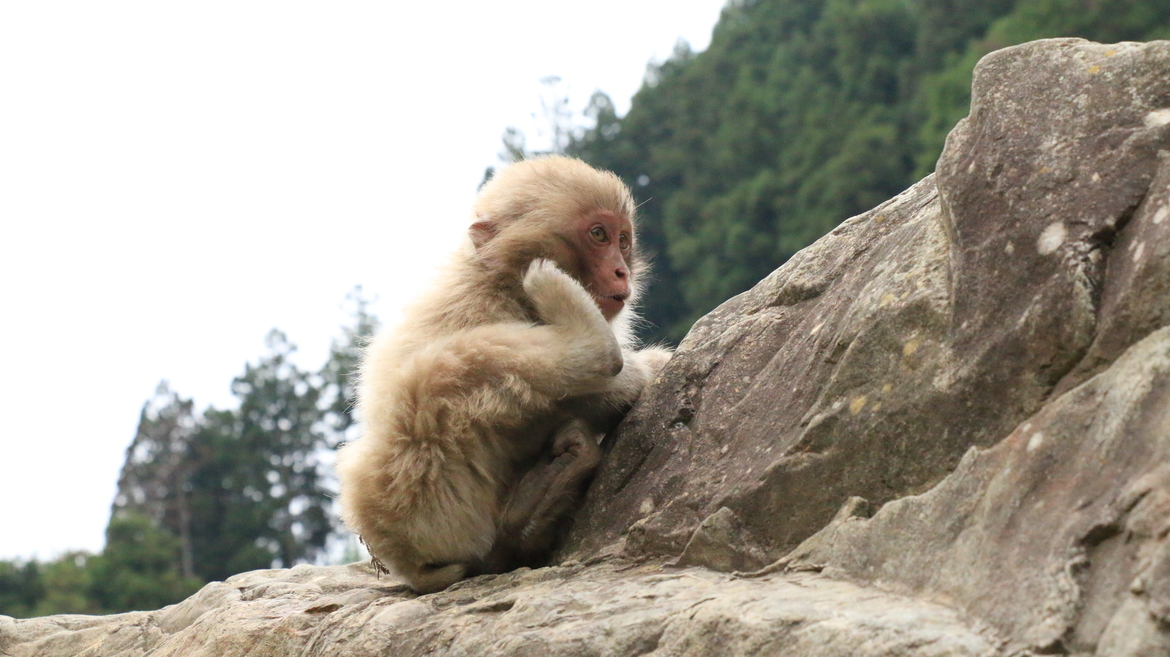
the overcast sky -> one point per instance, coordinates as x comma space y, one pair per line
178, 178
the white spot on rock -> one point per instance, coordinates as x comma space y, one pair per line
1035, 441
1162, 214
1052, 237
1010, 248
1158, 118
1137, 586
1137, 253
723, 450
647, 506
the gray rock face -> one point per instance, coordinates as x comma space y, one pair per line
946, 426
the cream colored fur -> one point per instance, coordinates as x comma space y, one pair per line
471, 383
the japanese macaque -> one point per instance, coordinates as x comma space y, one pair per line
483, 409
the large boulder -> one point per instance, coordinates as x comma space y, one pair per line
943, 429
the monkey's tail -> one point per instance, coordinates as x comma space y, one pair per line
429, 578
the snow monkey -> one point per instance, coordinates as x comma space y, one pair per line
483, 408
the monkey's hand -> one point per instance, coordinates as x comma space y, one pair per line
653, 359
567, 308
559, 298
606, 408
642, 367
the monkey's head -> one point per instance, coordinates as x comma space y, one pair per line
565, 210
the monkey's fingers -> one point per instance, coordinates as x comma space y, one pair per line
559, 298
655, 358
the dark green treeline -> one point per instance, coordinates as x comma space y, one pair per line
800, 114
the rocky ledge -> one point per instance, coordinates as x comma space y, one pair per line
943, 429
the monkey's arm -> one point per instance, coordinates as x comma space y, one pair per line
498, 375
641, 367
605, 409
562, 302
575, 352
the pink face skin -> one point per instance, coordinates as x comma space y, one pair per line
606, 240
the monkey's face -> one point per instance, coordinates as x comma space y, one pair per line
605, 245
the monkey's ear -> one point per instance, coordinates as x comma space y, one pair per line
482, 231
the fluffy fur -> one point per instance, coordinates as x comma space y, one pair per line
503, 366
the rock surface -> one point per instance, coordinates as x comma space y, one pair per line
946, 426
569, 610
983, 357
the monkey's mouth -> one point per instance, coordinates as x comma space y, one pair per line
619, 298
611, 304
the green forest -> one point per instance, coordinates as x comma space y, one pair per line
800, 114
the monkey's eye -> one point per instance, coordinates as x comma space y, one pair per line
624, 242
598, 233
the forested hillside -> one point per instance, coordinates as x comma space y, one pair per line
802, 113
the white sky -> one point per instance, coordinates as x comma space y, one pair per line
178, 178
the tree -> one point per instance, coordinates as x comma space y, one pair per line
22, 586
68, 583
257, 498
203, 496
339, 375
155, 475
138, 568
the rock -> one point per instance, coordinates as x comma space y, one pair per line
1065, 515
946, 426
721, 543
983, 357
573, 610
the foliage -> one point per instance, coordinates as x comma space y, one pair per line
68, 583
61, 586
255, 489
22, 587
338, 378
800, 114
137, 569
203, 496
153, 482
947, 92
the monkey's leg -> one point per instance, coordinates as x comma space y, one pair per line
544, 497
